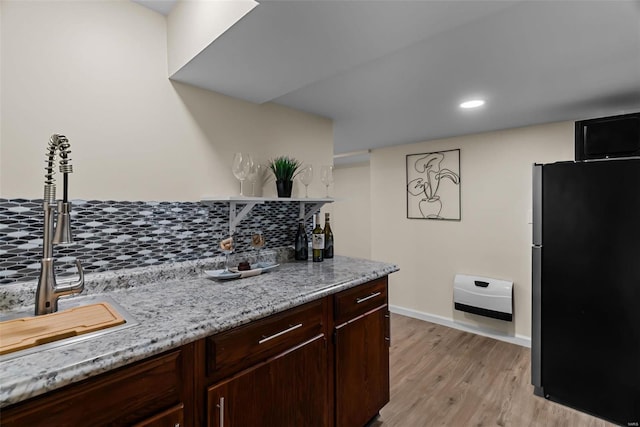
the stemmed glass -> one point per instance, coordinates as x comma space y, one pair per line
241, 167
257, 242
227, 246
306, 176
326, 176
255, 177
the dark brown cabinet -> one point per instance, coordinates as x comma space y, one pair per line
361, 354
244, 346
271, 372
282, 370
173, 417
287, 390
134, 394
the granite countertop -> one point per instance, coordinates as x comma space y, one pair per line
173, 305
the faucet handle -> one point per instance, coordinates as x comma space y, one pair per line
72, 287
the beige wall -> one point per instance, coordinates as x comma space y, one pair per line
97, 72
101, 78
493, 239
351, 222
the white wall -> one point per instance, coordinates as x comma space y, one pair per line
493, 239
97, 72
351, 221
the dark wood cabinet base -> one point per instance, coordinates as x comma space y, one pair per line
324, 363
130, 395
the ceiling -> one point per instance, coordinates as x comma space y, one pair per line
394, 72
161, 6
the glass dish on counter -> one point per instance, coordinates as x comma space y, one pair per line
234, 273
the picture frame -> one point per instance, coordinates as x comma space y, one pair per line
433, 185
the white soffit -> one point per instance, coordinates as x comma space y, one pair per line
161, 6
284, 45
392, 72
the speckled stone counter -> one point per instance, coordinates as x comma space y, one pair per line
173, 305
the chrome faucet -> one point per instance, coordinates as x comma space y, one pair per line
48, 291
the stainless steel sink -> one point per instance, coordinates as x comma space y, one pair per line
63, 304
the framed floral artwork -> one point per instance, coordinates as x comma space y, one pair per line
433, 185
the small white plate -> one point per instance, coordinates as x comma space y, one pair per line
256, 269
221, 274
234, 273
264, 266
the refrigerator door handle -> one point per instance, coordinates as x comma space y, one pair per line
537, 204
536, 320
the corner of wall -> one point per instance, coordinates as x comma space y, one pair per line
194, 25
492, 239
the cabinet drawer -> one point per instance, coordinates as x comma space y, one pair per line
118, 398
356, 301
246, 345
173, 417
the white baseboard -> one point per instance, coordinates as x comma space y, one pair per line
521, 340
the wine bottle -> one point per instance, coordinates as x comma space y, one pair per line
302, 243
328, 238
317, 241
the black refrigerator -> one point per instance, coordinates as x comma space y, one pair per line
585, 349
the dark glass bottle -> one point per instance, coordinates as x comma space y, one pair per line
328, 238
317, 241
302, 243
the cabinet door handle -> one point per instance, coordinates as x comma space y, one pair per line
359, 300
289, 329
221, 406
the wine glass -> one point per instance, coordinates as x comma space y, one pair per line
306, 176
326, 176
255, 177
241, 167
227, 246
257, 242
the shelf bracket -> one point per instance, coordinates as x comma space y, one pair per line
235, 217
315, 208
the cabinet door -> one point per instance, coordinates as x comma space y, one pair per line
287, 390
362, 368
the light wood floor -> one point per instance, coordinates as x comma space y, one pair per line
446, 377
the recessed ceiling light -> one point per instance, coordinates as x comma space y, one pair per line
473, 103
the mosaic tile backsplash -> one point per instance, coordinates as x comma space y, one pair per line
114, 235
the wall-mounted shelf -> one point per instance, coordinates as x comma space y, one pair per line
248, 203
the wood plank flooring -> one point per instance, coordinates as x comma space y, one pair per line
446, 377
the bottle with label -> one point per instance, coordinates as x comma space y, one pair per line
328, 238
317, 241
302, 243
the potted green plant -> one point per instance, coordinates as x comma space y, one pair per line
284, 169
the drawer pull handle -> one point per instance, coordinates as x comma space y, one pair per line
359, 300
289, 329
221, 406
